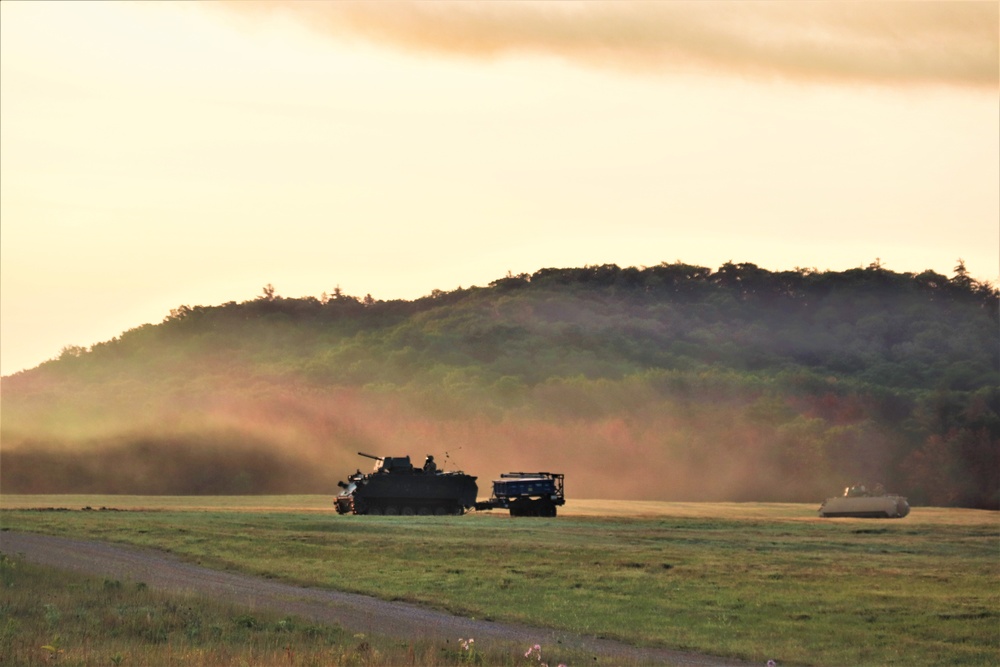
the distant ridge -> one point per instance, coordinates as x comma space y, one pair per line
687, 383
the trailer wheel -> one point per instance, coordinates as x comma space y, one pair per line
392, 510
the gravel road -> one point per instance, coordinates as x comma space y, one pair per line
357, 613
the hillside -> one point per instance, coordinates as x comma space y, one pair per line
672, 382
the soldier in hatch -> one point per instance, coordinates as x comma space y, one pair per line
429, 465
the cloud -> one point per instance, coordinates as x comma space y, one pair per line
951, 43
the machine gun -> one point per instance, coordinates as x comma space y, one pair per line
390, 463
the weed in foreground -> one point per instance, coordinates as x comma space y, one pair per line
536, 652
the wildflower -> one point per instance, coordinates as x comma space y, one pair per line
772, 663
537, 651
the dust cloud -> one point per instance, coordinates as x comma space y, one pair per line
293, 439
886, 43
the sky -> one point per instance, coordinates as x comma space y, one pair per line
160, 154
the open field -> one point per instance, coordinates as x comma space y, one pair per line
751, 581
574, 507
392, 622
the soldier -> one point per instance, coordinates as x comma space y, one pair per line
429, 465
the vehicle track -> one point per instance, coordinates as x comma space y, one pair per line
356, 613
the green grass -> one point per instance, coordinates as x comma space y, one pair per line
50, 617
748, 581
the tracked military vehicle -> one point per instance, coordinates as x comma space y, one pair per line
858, 502
395, 486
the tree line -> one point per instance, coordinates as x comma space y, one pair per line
822, 377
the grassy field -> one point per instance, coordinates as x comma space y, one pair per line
754, 581
51, 617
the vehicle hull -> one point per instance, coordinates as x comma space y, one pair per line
865, 507
408, 493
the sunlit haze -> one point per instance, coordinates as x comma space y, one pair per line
159, 154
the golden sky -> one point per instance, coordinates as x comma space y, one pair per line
158, 154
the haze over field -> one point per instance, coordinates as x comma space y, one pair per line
673, 382
153, 155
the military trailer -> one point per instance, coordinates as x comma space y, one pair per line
395, 486
859, 502
526, 493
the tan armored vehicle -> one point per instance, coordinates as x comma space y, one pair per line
859, 502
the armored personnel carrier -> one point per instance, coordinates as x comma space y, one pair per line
395, 486
859, 502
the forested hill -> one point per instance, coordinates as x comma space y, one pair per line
669, 382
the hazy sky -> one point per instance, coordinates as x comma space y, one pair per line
153, 155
